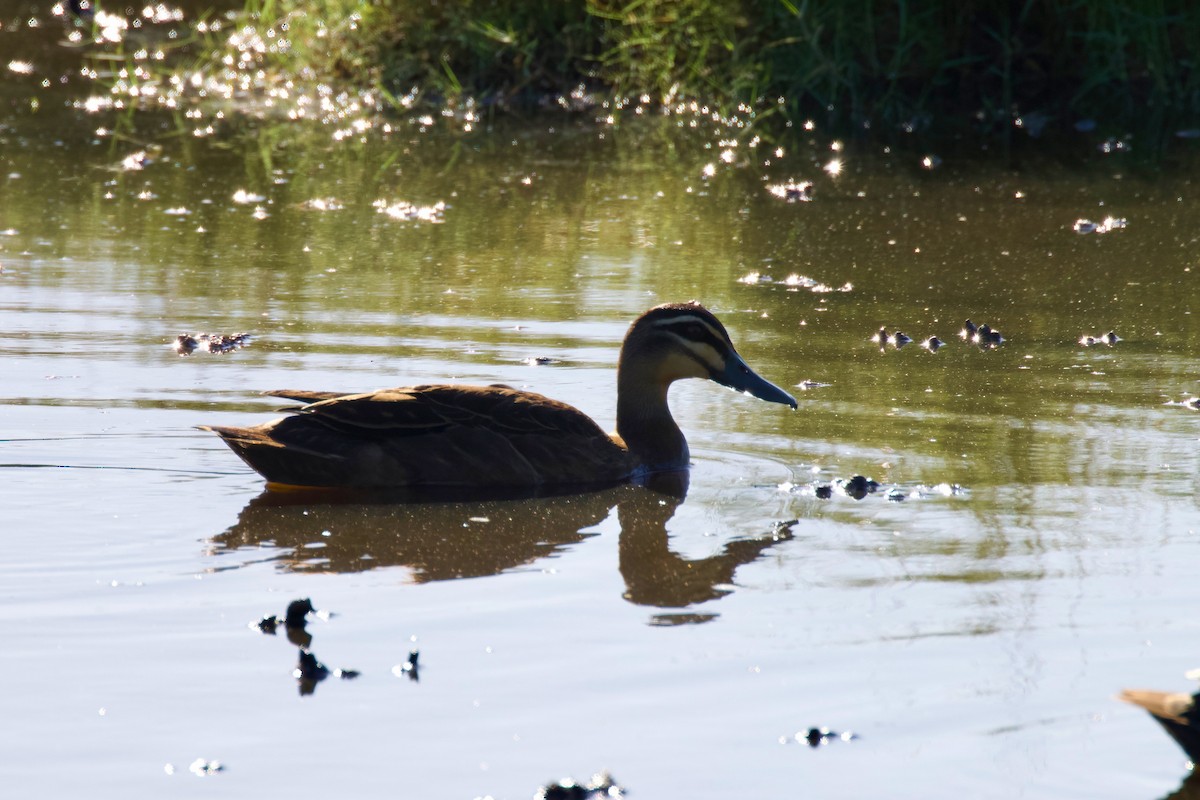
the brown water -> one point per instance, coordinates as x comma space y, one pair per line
973, 639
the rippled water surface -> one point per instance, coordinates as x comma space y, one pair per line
1031, 550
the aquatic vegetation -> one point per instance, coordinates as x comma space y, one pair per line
917, 70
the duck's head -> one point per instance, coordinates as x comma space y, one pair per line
684, 340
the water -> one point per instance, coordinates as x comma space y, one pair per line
974, 640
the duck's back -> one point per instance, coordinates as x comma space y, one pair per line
440, 435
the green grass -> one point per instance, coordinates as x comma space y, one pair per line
849, 63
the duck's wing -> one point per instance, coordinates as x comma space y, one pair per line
303, 396
469, 436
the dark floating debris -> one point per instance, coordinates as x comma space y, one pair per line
983, 335
1086, 226
540, 361
816, 737
794, 283
202, 767
792, 191
896, 340
409, 668
601, 785
296, 617
807, 385
858, 487
187, 343
309, 672
1109, 339
1177, 712
933, 344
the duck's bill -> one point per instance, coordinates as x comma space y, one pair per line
738, 376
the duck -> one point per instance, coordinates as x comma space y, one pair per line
498, 437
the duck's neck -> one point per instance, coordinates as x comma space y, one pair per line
644, 422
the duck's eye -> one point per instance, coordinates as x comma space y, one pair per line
694, 331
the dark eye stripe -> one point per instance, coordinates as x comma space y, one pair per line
696, 329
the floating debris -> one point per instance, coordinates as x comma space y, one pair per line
807, 385
324, 204
798, 281
987, 337
922, 491
1085, 226
408, 212
933, 344
983, 335
792, 191
135, 161
883, 338
816, 737
1109, 339
243, 197
409, 668
1191, 402
857, 487
187, 343
295, 617
601, 785
202, 768
540, 361
309, 672
795, 282
1114, 145
752, 278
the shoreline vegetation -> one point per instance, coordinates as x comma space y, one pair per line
876, 67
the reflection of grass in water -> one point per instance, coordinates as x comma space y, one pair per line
892, 63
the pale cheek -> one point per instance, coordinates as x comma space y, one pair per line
679, 367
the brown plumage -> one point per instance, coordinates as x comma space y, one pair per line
497, 436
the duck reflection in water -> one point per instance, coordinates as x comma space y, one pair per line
443, 537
